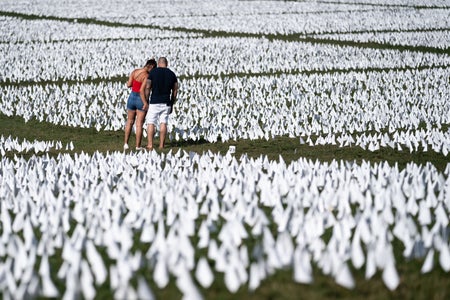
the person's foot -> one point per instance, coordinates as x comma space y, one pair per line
126, 147
149, 148
139, 148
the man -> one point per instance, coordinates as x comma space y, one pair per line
164, 86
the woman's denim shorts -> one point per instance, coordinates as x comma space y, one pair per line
134, 101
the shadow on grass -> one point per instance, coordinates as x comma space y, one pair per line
187, 143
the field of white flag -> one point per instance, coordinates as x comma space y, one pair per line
367, 74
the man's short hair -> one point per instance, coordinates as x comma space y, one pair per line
163, 61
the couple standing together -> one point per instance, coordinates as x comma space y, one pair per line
163, 84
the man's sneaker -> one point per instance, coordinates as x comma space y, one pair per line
139, 148
125, 147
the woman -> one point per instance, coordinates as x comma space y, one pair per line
137, 104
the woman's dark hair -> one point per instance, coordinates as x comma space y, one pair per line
151, 62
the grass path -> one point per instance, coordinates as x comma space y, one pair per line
89, 141
220, 33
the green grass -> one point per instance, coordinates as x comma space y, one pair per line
89, 140
222, 33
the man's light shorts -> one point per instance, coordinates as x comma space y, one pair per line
157, 114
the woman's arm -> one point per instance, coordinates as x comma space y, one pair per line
144, 92
130, 80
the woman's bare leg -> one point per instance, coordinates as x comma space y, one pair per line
139, 126
129, 125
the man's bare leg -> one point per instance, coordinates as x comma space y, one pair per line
150, 135
162, 135
139, 127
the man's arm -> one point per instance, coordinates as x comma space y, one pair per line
173, 97
148, 88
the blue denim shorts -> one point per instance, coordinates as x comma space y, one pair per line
134, 102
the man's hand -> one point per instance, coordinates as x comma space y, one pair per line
170, 105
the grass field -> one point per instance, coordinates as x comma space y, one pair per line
89, 141
300, 73
413, 285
